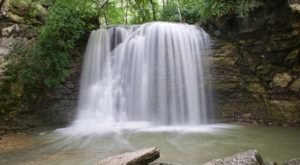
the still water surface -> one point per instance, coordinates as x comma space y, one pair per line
178, 145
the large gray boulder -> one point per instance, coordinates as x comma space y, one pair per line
292, 162
140, 157
251, 157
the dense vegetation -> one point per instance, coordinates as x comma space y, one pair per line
45, 64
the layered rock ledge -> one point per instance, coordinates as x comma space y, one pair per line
256, 65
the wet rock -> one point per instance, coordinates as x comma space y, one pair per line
292, 162
140, 157
282, 79
251, 157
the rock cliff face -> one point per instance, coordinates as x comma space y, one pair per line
255, 69
18, 25
256, 64
19, 21
58, 108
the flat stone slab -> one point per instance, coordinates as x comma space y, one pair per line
140, 157
251, 157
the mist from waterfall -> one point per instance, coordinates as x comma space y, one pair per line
151, 73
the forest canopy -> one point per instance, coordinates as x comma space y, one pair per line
111, 12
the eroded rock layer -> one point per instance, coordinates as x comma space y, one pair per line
256, 60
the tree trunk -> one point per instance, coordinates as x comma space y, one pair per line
153, 9
178, 9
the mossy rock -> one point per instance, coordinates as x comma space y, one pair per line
255, 88
284, 110
227, 85
291, 58
19, 7
31, 11
15, 18
295, 86
282, 79
223, 60
46, 3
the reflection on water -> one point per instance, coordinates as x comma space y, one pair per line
178, 145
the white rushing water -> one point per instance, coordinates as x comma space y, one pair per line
153, 73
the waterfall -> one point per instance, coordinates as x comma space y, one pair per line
152, 73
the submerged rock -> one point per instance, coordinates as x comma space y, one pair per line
251, 157
140, 157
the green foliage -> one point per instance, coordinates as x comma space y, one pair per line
170, 13
195, 10
112, 14
143, 10
217, 8
189, 10
44, 64
58, 36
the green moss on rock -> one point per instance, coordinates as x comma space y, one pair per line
284, 110
26, 11
295, 86
255, 88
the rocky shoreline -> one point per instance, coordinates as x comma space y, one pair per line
148, 155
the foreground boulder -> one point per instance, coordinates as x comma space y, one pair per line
140, 157
251, 157
292, 162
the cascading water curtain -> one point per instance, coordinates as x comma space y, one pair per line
153, 73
